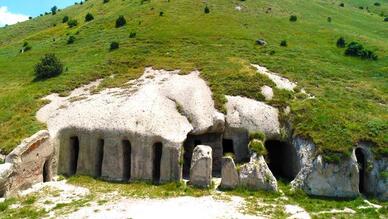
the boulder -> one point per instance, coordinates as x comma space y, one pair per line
267, 92
229, 174
256, 175
6, 170
201, 166
261, 42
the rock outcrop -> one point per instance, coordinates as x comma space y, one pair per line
27, 164
256, 175
229, 174
201, 166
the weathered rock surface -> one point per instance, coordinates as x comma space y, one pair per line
267, 92
229, 174
201, 166
256, 175
27, 164
281, 83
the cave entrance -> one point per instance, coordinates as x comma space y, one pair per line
227, 146
361, 169
126, 159
46, 171
187, 155
100, 157
158, 150
74, 151
282, 160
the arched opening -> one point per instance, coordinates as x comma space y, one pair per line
126, 160
361, 169
100, 157
281, 159
158, 150
46, 171
227, 146
74, 151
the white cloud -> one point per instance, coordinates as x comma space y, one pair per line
7, 17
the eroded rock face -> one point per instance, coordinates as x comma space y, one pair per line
229, 174
201, 166
331, 180
27, 164
256, 175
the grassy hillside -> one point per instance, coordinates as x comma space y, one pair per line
352, 93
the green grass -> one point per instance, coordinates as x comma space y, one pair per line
351, 94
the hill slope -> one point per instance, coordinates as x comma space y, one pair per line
351, 103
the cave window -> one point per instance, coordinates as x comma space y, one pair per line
281, 159
100, 156
46, 171
227, 146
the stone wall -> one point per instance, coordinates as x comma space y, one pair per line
27, 164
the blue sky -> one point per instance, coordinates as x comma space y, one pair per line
12, 11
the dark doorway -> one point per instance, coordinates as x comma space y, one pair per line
46, 171
74, 151
227, 146
100, 157
197, 142
281, 160
126, 160
158, 150
361, 169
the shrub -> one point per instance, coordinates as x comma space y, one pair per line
257, 146
341, 42
132, 35
293, 18
114, 45
357, 50
283, 43
71, 40
25, 47
72, 23
89, 17
121, 21
386, 19
377, 4
105, 1
65, 19
257, 135
161, 13
342, 5
207, 10
49, 66
329, 19
54, 10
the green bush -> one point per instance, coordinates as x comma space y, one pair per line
377, 4
341, 42
105, 1
386, 19
114, 45
257, 146
293, 18
89, 17
72, 23
132, 35
71, 40
54, 10
25, 47
49, 66
342, 5
65, 19
283, 43
329, 19
357, 50
207, 10
121, 21
257, 135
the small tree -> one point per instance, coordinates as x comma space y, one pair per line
283, 43
54, 10
89, 17
293, 18
49, 66
120, 21
207, 10
329, 19
341, 42
71, 40
342, 5
65, 19
386, 19
72, 23
114, 46
132, 35
105, 1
